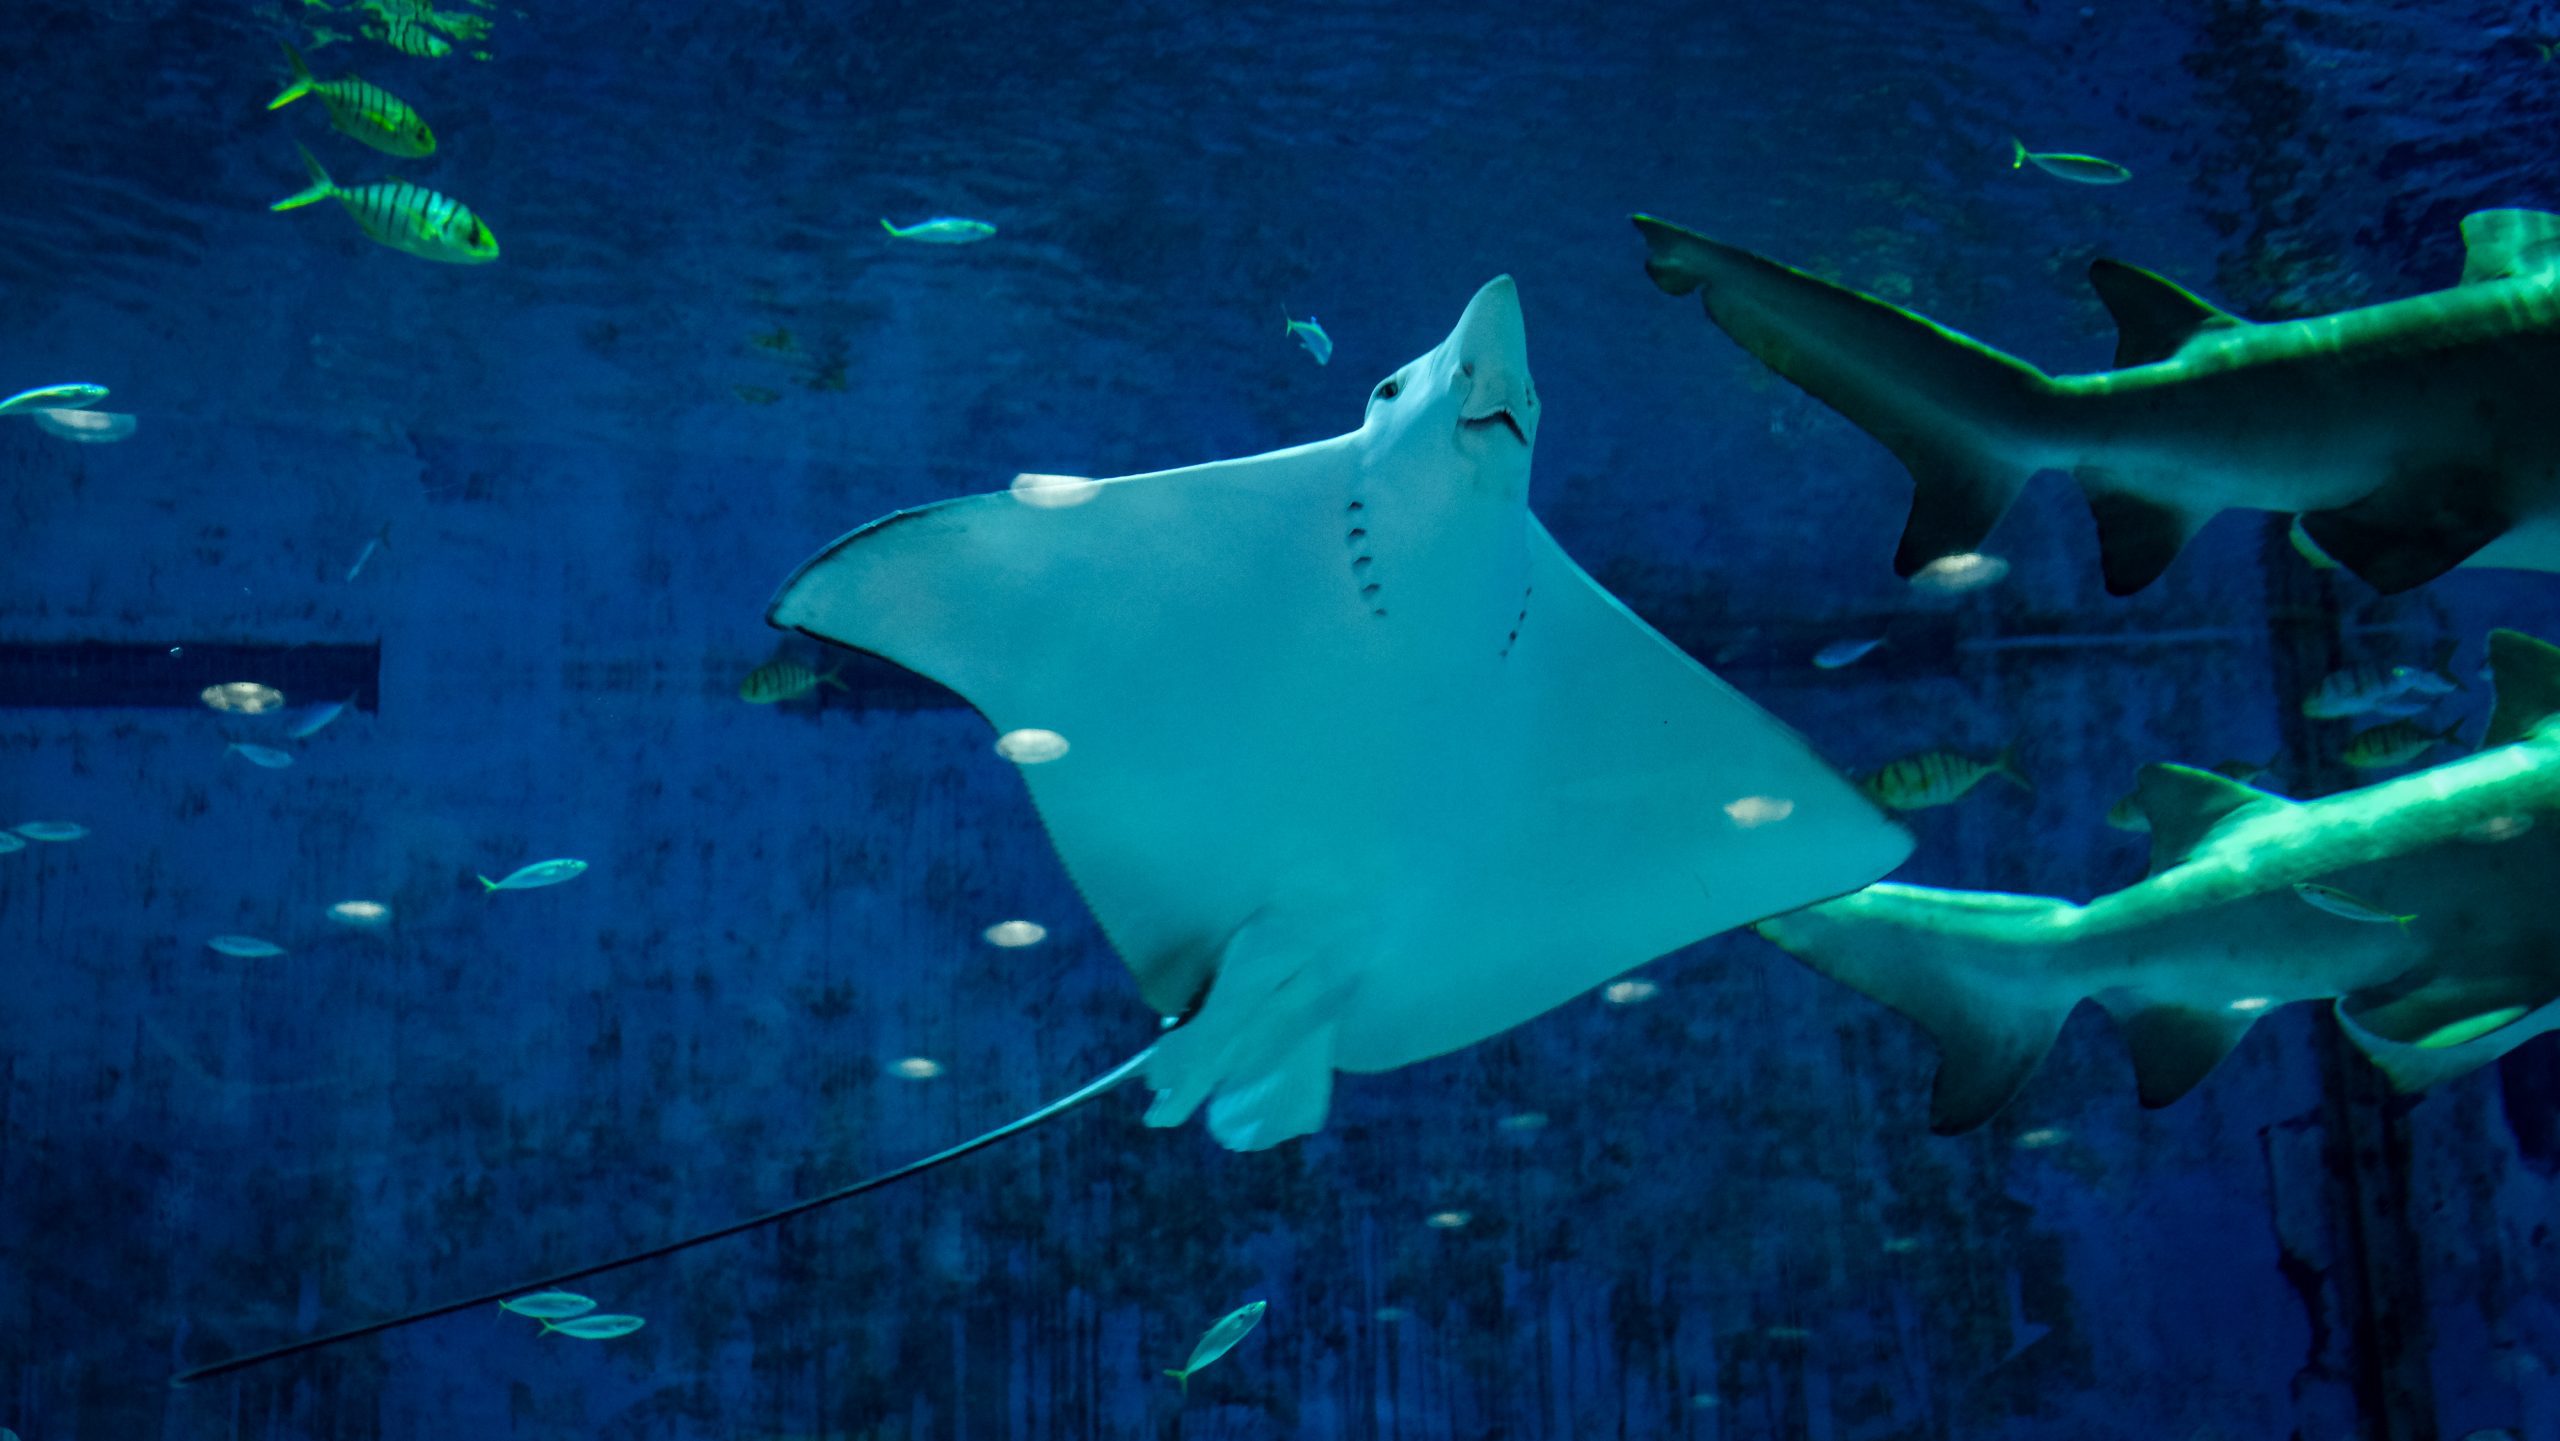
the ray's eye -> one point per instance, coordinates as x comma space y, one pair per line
1388, 389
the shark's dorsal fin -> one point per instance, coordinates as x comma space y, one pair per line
2155, 316
2526, 675
2185, 804
2502, 244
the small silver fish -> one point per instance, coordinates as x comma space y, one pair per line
74, 396
595, 1328
381, 539
2082, 169
1218, 1340
941, 230
549, 1305
247, 948
318, 718
2348, 907
1844, 653
52, 830
540, 873
266, 756
1311, 335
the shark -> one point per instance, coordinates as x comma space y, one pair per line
2219, 934
1354, 765
2410, 437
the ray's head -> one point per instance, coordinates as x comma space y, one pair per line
1471, 393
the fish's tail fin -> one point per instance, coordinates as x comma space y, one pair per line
302, 81
1970, 423
320, 188
2017, 153
1973, 969
2005, 766
1183, 1378
488, 886
831, 677
885, 225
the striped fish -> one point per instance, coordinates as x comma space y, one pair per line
1937, 778
781, 679
2396, 744
411, 218
360, 110
410, 36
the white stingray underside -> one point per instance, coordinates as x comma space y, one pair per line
1443, 839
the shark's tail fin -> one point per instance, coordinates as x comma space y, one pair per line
1964, 418
1952, 962
1984, 975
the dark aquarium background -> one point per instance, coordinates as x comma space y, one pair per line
700, 359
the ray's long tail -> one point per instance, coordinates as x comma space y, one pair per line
1091, 1091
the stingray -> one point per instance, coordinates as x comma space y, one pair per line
1359, 767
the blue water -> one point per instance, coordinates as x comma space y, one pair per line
1735, 1223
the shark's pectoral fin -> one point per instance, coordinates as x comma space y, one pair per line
2137, 536
1954, 504
2416, 527
2155, 316
2503, 244
2184, 805
2173, 1047
2525, 673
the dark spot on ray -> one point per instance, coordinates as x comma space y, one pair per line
1355, 505
1370, 589
1356, 536
1380, 614
1360, 565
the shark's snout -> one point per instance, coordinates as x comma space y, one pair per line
1493, 363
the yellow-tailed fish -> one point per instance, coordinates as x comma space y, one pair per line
406, 217
781, 680
74, 396
1937, 778
361, 111
941, 230
409, 36
2082, 169
2348, 906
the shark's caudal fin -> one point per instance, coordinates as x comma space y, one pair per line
1963, 417
1093, 1090
1953, 962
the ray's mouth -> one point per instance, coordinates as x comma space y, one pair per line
1500, 415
